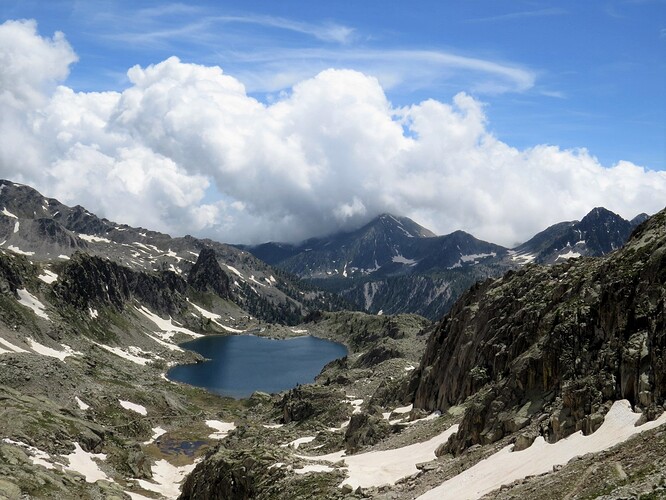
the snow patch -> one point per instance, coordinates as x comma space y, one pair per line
157, 432
166, 478
222, 428
52, 353
377, 468
28, 300
234, 270
17, 225
166, 325
569, 255
19, 251
404, 260
82, 405
10, 346
93, 313
507, 466
8, 213
48, 276
139, 360
128, 405
93, 239
37, 456
84, 463
297, 442
64, 257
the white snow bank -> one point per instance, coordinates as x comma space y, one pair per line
52, 353
37, 456
273, 426
18, 250
8, 213
166, 478
64, 257
17, 226
569, 255
48, 276
82, 462
506, 466
234, 270
297, 442
222, 428
28, 300
139, 360
377, 468
205, 313
82, 405
133, 407
10, 346
157, 432
403, 409
404, 260
166, 325
214, 318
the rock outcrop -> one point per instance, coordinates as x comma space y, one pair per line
88, 281
207, 276
554, 344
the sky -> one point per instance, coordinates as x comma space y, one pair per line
254, 121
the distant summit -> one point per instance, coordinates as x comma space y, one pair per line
598, 233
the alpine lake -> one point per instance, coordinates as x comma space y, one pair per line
238, 365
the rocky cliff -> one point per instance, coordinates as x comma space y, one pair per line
547, 348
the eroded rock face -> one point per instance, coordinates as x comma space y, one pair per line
89, 281
564, 339
207, 275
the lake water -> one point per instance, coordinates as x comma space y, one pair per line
242, 364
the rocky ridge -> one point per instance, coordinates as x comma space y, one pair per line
546, 349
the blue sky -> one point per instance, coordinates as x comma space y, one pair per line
590, 74
282, 120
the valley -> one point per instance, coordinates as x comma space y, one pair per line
555, 351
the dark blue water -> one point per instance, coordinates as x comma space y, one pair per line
242, 364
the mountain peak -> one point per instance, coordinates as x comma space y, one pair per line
404, 225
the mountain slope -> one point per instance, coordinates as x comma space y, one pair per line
546, 349
598, 233
48, 231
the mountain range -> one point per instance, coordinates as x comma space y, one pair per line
394, 265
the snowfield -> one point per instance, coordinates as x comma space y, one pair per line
506, 466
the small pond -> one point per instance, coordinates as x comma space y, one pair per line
242, 364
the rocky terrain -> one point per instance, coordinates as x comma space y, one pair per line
553, 362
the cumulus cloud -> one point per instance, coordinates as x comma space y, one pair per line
185, 149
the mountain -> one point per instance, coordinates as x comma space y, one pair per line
545, 350
598, 233
48, 231
384, 241
392, 265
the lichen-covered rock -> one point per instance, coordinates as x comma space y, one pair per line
579, 334
305, 402
231, 475
365, 429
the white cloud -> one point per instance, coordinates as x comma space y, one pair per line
184, 149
